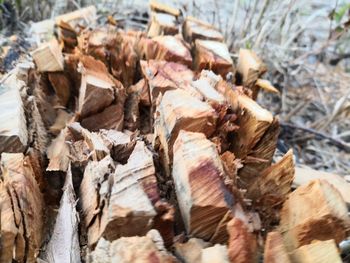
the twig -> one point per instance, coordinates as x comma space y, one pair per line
339, 143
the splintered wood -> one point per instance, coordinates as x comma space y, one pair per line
149, 146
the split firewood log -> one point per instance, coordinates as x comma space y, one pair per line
177, 111
163, 8
242, 245
141, 249
198, 176
275, 250
319, 251
260, 156
22, 218
48, 57
62, 86
197, 251
209, 93
212, 55
315, 211
168, 48
58, 154
250, 67
162, 76
63, 245
162, 24
196, 29
101, 98
108, 200
142, 90
270, 189
82, 17
13, 125
303, 175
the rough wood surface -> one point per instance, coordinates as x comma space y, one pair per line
163, 8
142, 249
58, 154
162, 76
23, 224
271, 188
275, 251
315, 211
212, 55
61, 84
13, 125
202, 196
317, 252
242, 245
303, 175
196, 29
178, 110
121, 202
63, 245
48, 57
250, 67
162, 24
170, 48
83, 16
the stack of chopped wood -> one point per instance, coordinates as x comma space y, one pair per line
125, 146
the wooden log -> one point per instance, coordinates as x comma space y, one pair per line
58, 154
108, 201
61, 84
48, 57
319, 251
212, 55
260, 156
10, 229
209, 93
250, 67
163, 8
142, 89
13, 126
170, 48
83, 16
162, 76
198, 176
191, 251
64, 242
131, 249
270, 189
62, 119
197, 251
177, 111
196, 29
242, 245
162, 24
315, 211
101, 97
111, 117
275, 250
96, 92
27, 208
303, 175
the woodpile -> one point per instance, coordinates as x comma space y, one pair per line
127, 146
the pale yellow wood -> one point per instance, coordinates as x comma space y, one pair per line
48, 57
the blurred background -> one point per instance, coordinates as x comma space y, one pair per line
305, 43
